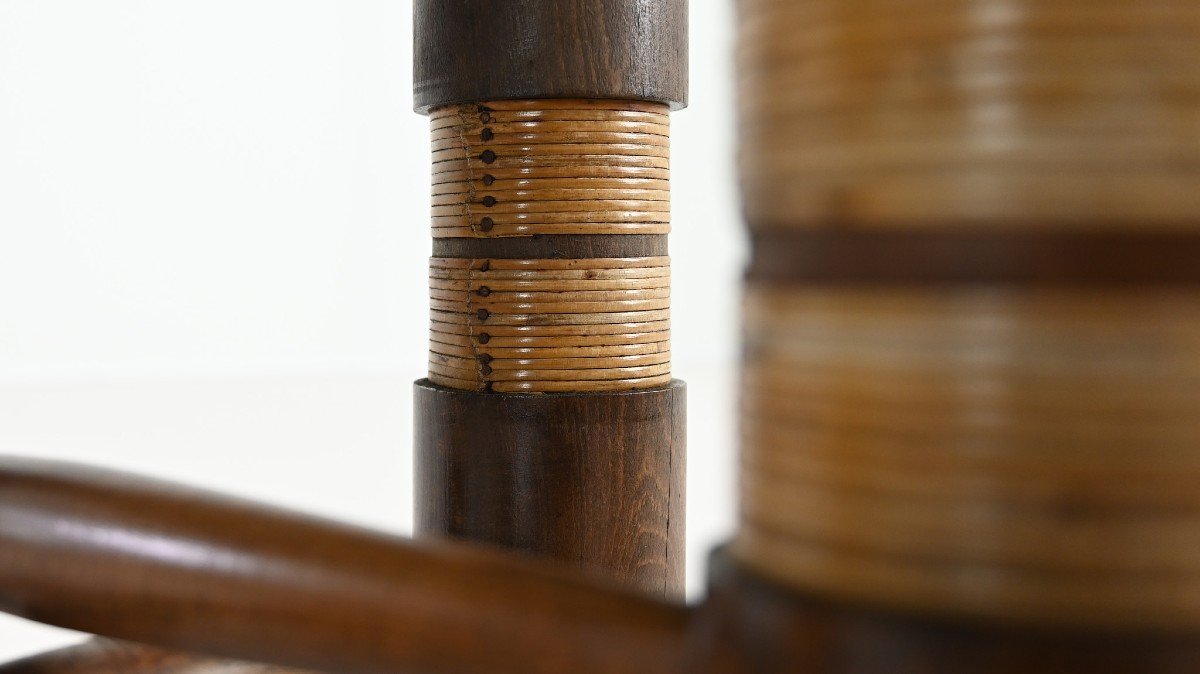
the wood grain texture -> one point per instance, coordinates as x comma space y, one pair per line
174, 567
750, 626
595, 480
481, 50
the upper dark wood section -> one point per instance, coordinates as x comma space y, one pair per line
483, 50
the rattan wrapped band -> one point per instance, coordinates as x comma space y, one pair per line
598, 267
887, 113
1026, 454
518, 168
585, 178
508, 326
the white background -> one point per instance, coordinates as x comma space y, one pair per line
213, 232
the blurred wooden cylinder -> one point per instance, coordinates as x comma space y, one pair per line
971, 386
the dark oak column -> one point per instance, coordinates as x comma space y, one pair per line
587, 478
550, 422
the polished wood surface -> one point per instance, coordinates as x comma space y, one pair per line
173, 567
466, 52
596, 480
102, 656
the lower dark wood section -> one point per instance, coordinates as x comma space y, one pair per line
593, 479
750, 625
